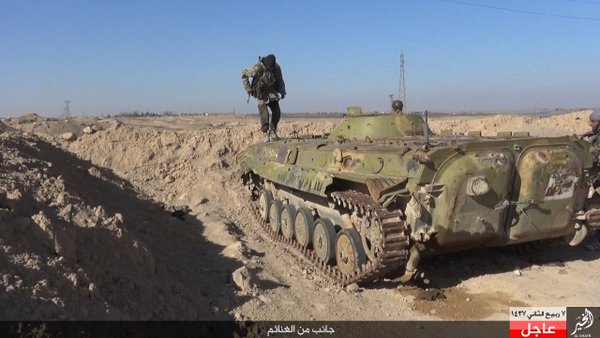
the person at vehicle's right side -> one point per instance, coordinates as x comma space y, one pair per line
594, 135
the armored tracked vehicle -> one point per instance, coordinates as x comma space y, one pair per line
381, 191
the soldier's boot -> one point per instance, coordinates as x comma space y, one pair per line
266, 137
273, 134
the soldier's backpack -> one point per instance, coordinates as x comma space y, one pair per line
263, 80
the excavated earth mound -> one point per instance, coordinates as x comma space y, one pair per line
79, 242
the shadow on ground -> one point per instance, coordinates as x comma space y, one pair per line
150, 266
451, 269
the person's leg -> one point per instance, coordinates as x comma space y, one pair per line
264, 116
275, 114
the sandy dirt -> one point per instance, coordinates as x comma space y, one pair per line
146, 219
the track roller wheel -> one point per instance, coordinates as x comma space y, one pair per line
304, 227
275, 215
288, 214
264, 202
324, 240
371, 238
349, 253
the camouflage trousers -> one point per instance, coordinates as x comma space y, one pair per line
265, 124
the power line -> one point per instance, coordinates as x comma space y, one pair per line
585, 2
522, 11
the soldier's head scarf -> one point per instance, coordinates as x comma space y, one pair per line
595, 115
268, 61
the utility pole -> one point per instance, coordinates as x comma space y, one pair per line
401, 86
67, 112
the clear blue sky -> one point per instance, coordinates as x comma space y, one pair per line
187, 56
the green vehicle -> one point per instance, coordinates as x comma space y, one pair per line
380, 192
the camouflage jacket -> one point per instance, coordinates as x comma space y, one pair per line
265, 83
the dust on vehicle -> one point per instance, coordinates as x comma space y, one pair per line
381, 191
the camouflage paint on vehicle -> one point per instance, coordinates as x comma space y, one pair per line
454, 192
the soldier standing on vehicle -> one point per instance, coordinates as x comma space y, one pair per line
268, 88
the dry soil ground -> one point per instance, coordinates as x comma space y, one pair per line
86, 232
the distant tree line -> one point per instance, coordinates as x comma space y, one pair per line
137, 113
152, 114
